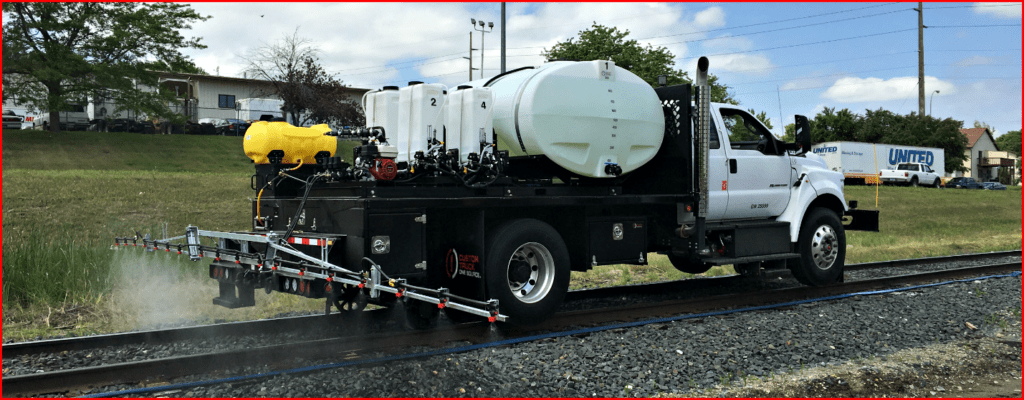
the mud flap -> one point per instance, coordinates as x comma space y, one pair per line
246, 295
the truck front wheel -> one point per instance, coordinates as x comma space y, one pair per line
822, 246
527, 270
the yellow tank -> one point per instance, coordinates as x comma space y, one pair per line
299, 144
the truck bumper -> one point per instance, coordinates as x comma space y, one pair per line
861, 220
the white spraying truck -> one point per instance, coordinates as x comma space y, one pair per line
600, 169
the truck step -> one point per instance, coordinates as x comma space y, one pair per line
741, 260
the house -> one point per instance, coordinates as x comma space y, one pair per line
206, 96
984, 160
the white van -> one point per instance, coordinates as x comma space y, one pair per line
73, 119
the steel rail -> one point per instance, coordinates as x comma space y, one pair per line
317, 322
334, 348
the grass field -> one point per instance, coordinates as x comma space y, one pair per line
66, 196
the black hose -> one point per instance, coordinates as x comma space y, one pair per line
295, 219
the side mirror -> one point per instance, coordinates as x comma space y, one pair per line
803, 134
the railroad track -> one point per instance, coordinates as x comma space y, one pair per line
279, 356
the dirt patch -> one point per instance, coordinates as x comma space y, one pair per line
984, 367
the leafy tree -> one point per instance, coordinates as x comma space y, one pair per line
878, 124
57, 54
979, 124
790, 135
311, 95
831, 126
738, 131
604, 43
1010, 141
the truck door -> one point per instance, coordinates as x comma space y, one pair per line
759, 172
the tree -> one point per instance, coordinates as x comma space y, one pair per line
878, 124
979, 124
1009, 141
311, 95
58, 54
832, 126
604, 43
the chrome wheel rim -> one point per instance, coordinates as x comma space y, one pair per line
824, 247
530, 272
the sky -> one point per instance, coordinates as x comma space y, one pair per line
780, 58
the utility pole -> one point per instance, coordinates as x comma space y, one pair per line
470, 58
503, 37
920, 57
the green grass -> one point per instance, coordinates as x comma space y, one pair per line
66, 196
920, 222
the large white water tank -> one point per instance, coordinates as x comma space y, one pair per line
381, 109
419, 109
468, 121
581, 115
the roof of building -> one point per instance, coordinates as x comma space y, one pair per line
229, 78
973, 134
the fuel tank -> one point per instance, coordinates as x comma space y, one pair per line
299, 145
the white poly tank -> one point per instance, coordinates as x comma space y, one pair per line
419, 109
469, 122
581, 115
381, 109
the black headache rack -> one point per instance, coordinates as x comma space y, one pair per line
240, 268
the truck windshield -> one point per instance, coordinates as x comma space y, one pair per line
906, 167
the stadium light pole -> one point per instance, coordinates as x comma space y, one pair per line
485, 27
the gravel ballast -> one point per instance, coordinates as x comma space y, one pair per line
693, 357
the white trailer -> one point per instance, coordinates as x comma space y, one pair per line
861, 162
254, 108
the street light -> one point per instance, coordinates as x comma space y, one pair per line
931, 102
489, 27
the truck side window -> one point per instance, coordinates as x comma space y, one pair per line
747, 133
713, 141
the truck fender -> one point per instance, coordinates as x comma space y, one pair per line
817, 188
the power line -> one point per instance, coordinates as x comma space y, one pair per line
751, 25
872, 83
971, 26
779, 29
977, 6
814, 43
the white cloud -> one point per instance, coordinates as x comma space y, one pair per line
998, 10
712, 17
855, 90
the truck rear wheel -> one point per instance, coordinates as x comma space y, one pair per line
822, 246
527, 270
913, 182
684, 264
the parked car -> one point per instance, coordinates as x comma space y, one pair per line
73, 118
212, 126
993, 186
912, 174
236, 127
963, 183
12, 120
